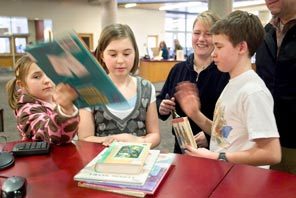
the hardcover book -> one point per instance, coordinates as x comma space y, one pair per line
67, 60
89, 173
123, 157
183, 132
154, 179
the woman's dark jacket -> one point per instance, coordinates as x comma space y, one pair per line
210, 83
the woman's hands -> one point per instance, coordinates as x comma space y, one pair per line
167, 106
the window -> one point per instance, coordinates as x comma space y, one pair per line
152, 41
5, 45
152, 45
20, 44
48, 36
178, 25
19, 25
5, 27
13, 32
13, 39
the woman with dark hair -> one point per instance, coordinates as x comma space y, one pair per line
163, 50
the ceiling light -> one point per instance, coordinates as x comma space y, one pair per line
247, 3
199, 5
130, 5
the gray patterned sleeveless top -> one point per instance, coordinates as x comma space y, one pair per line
107, 123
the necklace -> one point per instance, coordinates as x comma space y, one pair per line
199, 69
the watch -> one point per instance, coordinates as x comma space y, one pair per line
222, 157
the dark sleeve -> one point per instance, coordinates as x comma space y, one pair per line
168, 88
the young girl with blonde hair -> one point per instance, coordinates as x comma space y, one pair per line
43, 111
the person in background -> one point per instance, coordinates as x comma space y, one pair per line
177, 46
171, 53
200, 69
276, 65
163, 50
43, 111
118, 54
243, 130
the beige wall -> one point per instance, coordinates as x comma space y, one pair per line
83, 17
260, 9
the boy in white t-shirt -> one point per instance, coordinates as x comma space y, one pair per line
243, 129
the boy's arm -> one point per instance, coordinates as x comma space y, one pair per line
187, 97
266, 151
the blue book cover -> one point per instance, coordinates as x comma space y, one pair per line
67, 60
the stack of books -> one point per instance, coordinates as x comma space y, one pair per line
126, 168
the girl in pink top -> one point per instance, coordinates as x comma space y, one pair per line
43, 111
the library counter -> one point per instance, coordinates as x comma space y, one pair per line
155, 70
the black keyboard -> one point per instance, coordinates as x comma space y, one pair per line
31, 148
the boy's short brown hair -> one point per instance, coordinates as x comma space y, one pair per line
241, 26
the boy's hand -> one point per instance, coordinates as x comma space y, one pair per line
200, 152
201, 139
187, 96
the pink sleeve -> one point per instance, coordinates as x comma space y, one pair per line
38, 122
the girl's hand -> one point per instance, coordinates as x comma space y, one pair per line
108, 140
64, 96
124, 137
201, 139
166, 106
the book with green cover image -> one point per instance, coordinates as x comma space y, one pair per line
123, 157
66, 60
